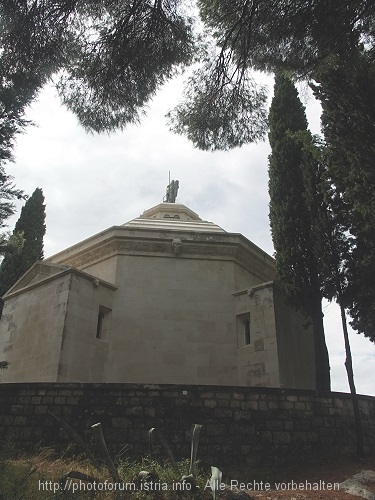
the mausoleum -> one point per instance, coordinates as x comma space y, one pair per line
164, 298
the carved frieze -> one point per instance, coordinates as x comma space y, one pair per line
173, 247
177, 246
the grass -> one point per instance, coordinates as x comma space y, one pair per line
35, 476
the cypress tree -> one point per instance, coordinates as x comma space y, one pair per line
291, 216
345, 88
31, 227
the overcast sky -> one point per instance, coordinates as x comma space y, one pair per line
92, 182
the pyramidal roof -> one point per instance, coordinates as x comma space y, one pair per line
172, 216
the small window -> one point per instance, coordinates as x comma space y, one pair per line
243, 330
104, 323
246, 325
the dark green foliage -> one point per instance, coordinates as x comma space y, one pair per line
265, 35
116, 54
294, 35
8, 193
289, 214
346, 89
32, 40
112, 55
221, 113
116, 67
13, 98
293, 178
31, 225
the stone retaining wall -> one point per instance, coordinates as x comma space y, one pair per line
240, 425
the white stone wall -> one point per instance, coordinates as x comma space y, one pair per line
104, 269
173, 321
258, 361
281, 349
84, 357
31, 331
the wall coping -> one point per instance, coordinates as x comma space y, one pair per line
180, 387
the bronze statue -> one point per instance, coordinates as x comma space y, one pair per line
171, 193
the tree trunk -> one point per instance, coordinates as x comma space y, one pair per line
349, 371
323, 377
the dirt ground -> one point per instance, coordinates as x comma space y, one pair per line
315, 481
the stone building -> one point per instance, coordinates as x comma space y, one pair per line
164, 298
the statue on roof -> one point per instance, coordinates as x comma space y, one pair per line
171, 193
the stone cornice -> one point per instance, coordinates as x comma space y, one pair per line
213, 246
70, 271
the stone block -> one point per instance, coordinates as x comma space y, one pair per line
65, 392
303, 425
182, 402
250, 405
224, 403
8, 420
153, 394
27, 392
292, 398
207, 395
40, 409
72, 401
25, 432
223, 412
145, 401
265, 436
240, 415
51, 392
235, 404
222, 395
336, 411
196, 402
121, 422
210, 403
274, 425
287, 405
282, 438
300, 437
215, 430
20, 420
47, 400
313, 437
329, 422
288, 425
273, 405
245, 449
149, 412
134, 411
171, 394
24, 400
17, 409
134, 401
